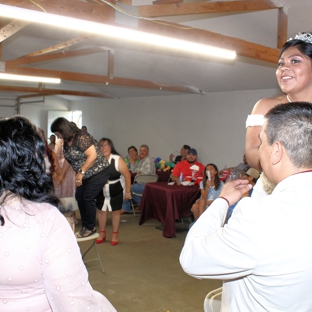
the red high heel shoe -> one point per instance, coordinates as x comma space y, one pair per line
114, 243
99, 241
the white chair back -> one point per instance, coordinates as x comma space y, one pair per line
212, 302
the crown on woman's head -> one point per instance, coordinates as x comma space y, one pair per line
303, 36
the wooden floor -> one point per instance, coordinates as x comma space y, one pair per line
142, 273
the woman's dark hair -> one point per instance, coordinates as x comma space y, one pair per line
66, 128
217, 181
304, 47
22, 172
129, 148
110, 143
186, 147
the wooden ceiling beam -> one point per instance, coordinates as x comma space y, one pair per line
176, 9
282, 27
167, 1
61, 46
91, 78
37, 91
12, 28
101, 14
53, 56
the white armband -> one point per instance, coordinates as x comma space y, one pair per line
255, 120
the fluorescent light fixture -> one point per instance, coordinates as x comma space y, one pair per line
29, 78
113, 31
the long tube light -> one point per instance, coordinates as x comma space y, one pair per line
113, 31
29, 78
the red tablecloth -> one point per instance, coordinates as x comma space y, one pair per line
167, 203
162, 176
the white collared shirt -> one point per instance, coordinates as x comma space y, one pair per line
263, 254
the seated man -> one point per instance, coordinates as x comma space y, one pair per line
264, 253
184, 167
145, 166
184, 150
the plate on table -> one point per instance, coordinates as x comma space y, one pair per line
187, 183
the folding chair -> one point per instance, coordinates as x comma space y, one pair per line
93, 238
142, 179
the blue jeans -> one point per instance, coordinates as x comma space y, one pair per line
86, 195
137, 188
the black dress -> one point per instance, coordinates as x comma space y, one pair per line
112, 196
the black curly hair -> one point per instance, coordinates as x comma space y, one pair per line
22, 168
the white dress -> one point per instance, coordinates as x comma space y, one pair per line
41, 264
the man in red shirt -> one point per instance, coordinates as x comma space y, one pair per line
189, 172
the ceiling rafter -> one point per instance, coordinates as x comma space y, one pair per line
91, 78
177, 9
62, 46
44, 91
97, 11
104, 13
53, 56
11, 28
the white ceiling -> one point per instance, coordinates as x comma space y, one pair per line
161, 67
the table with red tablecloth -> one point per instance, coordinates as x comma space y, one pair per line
167, 203
163, 176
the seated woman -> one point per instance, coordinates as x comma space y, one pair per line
132, 158
210, 190
42, 268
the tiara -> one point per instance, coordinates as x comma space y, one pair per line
306, 37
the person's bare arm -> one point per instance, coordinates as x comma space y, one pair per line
175, 179
252, 133
58, 169
123, 169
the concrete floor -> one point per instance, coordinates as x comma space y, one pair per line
142, 273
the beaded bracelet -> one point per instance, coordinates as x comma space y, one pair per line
225, 200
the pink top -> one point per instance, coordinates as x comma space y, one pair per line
41, 264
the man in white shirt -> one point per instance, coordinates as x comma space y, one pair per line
145, 166
264, 253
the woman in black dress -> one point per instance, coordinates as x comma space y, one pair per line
114, 192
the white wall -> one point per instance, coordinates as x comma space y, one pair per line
214, 124
35, 109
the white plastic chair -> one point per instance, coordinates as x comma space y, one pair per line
212, 302
143, 179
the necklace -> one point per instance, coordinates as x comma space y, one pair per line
288, 99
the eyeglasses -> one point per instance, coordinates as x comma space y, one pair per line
104, 145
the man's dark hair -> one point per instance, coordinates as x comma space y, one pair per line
291, 124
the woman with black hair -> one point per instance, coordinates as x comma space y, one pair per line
114, 192
92, 169
294, 76
42, 268
210, 188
